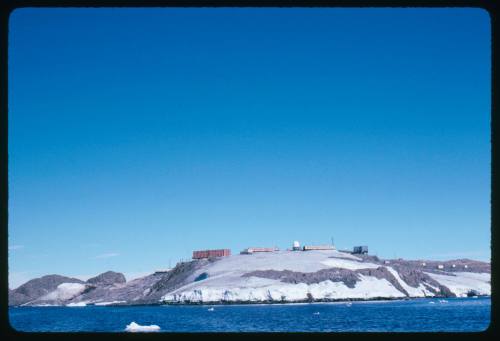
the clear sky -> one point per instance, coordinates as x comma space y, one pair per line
139, 135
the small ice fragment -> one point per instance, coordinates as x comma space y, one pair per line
210, 309
316, 313
134, 327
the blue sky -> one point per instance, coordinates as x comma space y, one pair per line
139, 135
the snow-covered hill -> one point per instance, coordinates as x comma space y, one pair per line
319, 275
280, 276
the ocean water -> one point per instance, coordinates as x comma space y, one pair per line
418, 315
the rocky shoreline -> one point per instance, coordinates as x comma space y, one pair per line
311, 277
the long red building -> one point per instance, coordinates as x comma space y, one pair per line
211, 253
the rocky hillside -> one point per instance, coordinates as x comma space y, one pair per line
283, 276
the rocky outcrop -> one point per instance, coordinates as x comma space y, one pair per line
108, 287
266, 278
350, 277
107, 278
37, 288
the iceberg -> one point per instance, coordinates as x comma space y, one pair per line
134, 327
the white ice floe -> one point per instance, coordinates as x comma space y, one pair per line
463, 282
134, 327
64, 291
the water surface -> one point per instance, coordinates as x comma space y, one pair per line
453, 314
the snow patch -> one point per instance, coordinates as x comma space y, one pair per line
368, 287
64, 291
108, 303
348, 264
463, 282
134, 327
77, 304
420, 291
298, 261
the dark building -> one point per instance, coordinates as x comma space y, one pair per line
360, 250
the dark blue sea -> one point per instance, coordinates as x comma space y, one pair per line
418, 315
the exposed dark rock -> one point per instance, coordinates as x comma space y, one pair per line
37, 288
472, 293
382, 273
107, 278
348, 277
177, 277
112, 287
201, 277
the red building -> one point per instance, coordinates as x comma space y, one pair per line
211, 253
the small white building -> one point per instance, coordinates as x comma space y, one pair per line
453, 265
250, 250
424, 264
440, 266
296, 246
386, 262
465, 266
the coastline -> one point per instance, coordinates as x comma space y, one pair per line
256, 303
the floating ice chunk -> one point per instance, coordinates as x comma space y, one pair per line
134, 327
210, 309
432, 302
77, 304
316, 313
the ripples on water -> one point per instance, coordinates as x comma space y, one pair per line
459, 314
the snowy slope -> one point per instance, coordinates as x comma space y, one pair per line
224, 280
64, 291
282, 276
462, 282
